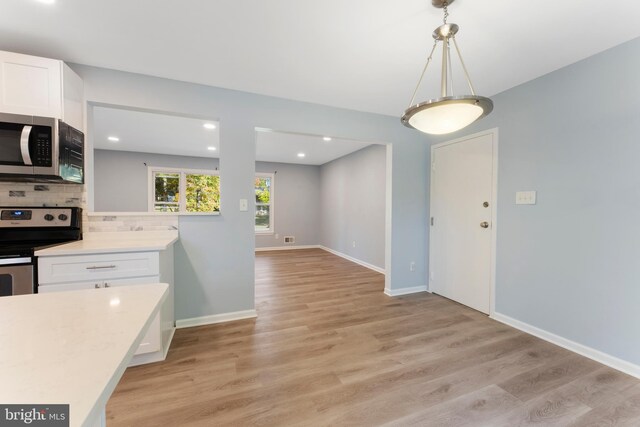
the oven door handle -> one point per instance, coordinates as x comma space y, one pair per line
24, 145
12, 261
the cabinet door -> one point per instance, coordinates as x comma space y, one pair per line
152, 341
30, 85
73, 98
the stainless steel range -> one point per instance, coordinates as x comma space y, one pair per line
22, 232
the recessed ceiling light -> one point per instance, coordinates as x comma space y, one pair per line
113, 139
47, 1
327, 138
209, 126
211, 148
301, 154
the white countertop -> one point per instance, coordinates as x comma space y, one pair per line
72, 347
109, 242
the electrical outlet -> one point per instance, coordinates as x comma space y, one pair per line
526, 198
353, 244
412, 266
276, 236
289, 239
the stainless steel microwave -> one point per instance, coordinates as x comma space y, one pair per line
40, 149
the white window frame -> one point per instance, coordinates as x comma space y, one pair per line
182, 201
271, 203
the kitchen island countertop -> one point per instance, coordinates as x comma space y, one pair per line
73, 347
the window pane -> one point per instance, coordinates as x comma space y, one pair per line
203, 193
263, 190
263, 217
167, 192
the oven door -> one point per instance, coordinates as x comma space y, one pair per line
27, 144
16, 278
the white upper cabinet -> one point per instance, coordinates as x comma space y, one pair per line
36, 86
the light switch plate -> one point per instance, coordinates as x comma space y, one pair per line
526, 198
244, 205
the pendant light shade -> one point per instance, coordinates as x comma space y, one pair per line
449, 112
445, 115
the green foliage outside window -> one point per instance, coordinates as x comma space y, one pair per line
203, 193
167, 192
263, 190
263, 203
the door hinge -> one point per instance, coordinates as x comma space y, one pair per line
432, 221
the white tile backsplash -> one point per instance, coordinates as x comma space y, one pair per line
30, 194
129, 222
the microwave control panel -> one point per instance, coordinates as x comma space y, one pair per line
42, 155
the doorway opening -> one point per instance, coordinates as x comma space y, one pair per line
322, 193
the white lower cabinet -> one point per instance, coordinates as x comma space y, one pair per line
99, 271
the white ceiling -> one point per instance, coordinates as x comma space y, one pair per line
154, 133
149, 132
284, 147
358, 54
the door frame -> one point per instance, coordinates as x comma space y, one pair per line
494, 212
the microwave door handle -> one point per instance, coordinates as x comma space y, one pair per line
24, 145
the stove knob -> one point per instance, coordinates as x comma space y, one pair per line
48, 217
62, 217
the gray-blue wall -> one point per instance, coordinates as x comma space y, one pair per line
296, 204
215, 255
121, 178
571, 263
353, 204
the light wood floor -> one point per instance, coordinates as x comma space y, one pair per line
329, 348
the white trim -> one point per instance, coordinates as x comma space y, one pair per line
591, 353
287, 248
494, 212
215, 318
355, 260
405, 291
388, 214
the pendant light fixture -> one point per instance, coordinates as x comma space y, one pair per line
449, 112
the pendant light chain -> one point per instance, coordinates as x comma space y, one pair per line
445, 7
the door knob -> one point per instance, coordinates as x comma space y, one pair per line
484, 224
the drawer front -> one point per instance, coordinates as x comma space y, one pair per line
85, 268
97, 284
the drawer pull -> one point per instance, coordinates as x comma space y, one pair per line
100, 267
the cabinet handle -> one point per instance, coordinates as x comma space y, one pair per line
99, 267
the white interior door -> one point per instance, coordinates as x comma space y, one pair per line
462, 206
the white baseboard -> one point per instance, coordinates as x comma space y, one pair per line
591, 353
405, 291
215, 318
352, 259
287, 248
